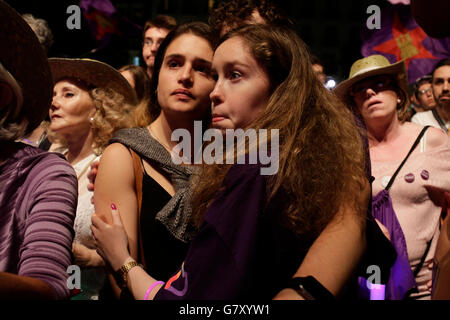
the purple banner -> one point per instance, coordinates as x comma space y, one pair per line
401, 38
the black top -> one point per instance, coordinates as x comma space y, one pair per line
163, 253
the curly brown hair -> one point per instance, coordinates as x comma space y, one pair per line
321, 159
236, 13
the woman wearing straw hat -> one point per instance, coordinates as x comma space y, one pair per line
38, 190
378, 90
91, 100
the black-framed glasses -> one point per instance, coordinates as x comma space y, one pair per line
377, 84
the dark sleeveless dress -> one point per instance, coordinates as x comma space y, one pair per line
163, 253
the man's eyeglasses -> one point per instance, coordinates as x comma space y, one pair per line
377, 84
150, 42
424, 91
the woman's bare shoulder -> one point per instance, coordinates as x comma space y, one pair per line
437, 138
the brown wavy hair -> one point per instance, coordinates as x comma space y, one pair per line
321, 156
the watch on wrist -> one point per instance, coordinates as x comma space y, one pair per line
122, 273
309, 288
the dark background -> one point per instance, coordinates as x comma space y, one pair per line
331, 28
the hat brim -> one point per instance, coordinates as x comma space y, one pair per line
398, 70
23, 56
96, 73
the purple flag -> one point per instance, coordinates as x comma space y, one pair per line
401, 38
105, 21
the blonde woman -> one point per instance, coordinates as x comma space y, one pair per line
91, 100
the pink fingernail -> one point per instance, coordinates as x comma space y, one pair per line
113, 206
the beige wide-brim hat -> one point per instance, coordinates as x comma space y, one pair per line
370, 66
95, 73
22, 55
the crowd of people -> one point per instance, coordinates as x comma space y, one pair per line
88, 177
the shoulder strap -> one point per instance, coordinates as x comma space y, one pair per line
439, 119
422, 260
407, 156
138, 187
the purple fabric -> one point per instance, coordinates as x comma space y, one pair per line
421, 54
38, 199
241, 251
401, 279
105, 21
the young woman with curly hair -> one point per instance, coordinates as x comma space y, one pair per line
255, 231
91, 100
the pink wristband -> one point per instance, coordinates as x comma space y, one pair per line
151, 288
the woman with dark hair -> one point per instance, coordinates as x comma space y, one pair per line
410, 165
152, 192
140, 82
255, 230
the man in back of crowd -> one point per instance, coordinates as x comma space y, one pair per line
423, 92
439, 116
154, 33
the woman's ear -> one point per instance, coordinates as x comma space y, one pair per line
6, 95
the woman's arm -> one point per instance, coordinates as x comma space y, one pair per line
14, 287
44, 252
112, 244
115, 182
85, 257
335, 254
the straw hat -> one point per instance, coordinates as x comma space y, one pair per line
22, 55
96, 73
372, 66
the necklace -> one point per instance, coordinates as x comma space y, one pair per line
159, 140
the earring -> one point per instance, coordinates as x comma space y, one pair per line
91, 119
399, 101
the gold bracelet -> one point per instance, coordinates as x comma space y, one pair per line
121, 275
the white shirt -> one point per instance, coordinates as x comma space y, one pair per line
427, 118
